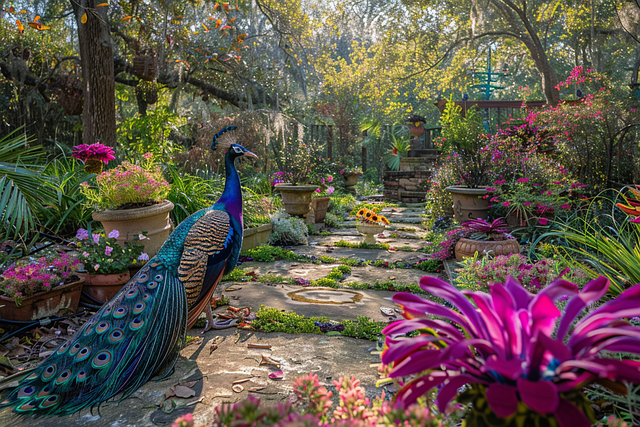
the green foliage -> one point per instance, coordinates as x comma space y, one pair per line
326, 282
69, 210
430, 265
331, 221
460, 134
362, 245
399, 149
190, 193
149, 133
106, 256
273, 320
235, 276
288, 231
256, 208
341, 204
363, 328
22, 193
266, 253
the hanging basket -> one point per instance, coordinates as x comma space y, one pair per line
149, 93
145, 66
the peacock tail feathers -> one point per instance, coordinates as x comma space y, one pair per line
134, 336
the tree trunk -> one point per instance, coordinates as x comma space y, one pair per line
96, 57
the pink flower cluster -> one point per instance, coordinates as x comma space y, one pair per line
131, 184
95, 151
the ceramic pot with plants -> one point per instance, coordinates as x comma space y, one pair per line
33, 289
93, 156
468, 203
370, 224
296, 199
350, 176
106, 263
484, 238
130, 199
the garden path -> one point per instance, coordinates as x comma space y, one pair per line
298, 354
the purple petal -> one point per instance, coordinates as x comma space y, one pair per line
592, 292
540, 396
439, 326
417, 362
502, 399
442, 289
543, 315
559, 288
505, 310
599, 337
521, 296
568, 415
572, 381
403, 347
488, 315
511, 369
627, 304
557, 349
419, 387
418, 307
450, 390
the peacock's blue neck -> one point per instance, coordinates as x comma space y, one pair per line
231, 197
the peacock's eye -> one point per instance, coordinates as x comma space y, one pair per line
237, 149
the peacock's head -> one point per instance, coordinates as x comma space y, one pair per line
226, 137
236, 150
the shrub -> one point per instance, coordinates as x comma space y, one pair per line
288, 231
266, 253
331, 221
127, 186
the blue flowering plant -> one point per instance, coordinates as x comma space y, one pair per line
102, 254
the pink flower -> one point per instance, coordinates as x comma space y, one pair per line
523, 180
108, 250
329, 178
96, 238
318, 190
543, 221
565, 206
635, 220
147, 155
527, 203
490, 189
96, 267
96, 151
506, 203
330, 190
494, 199
342, 171
114, 234
85, 254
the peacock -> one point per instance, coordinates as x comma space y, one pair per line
139, 333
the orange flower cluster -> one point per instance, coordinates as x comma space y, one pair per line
370, 217
634, 204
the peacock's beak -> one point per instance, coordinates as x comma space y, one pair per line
250, 154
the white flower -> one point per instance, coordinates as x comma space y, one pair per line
142, 237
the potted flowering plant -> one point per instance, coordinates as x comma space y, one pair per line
130, 199
320, 200
350, 176
33, 289
370, 224
93, 156
484, 237
107, 263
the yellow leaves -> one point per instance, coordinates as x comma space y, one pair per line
231, 20
102, 5
216, 6
20, 26
226, 27
84, 18
218, 22
37, 25
126, 18
206, 29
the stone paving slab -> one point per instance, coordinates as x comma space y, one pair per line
366, 254
368, 274
396, 242
298, 354
252, 294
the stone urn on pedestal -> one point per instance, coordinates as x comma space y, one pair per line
296, 199
468, 203
370, 231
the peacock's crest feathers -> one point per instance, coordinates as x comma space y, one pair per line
113, 352
224, 138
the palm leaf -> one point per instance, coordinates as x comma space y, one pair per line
21, 190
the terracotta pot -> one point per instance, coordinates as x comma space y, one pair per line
466, 248
468, 203
417, 131
319, 206
43, 304
369, 232
255, 236
103, 287
132, 222
296, 198
145, 66
350, 179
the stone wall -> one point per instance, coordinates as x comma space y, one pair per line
410, 183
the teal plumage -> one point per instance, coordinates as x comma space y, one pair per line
139, 333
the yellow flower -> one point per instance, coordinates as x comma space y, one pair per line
368, 214
79, 244
374, 218
360, 213
384, 219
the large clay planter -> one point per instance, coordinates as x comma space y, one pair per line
132, 222
466, 248
103, 287
255, 236
468, 203
43, 304
369, 232
350, 179
296, 198
319, 206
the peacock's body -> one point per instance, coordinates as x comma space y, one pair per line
139, 333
